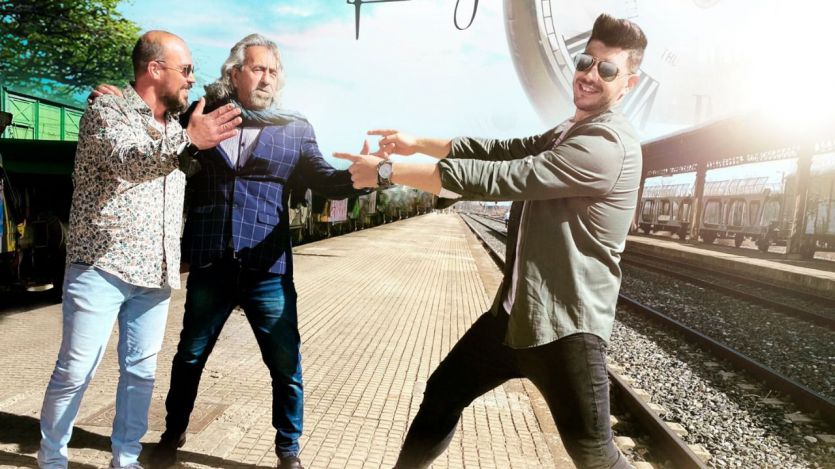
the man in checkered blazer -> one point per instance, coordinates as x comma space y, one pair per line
237, 242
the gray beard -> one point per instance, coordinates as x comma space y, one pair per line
258, 102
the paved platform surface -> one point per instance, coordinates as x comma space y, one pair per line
378, 309
814, 276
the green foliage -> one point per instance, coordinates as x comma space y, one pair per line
64, 46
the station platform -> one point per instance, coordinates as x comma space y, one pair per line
816, 276
378, 309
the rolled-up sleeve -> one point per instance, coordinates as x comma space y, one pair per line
588, 163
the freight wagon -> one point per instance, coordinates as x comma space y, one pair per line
37, 149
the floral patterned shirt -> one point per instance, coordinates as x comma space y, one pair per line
127, 206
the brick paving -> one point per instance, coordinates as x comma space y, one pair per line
378, 310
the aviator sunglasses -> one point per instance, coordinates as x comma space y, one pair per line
185, 70
607, 70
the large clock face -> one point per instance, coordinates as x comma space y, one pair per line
706, 58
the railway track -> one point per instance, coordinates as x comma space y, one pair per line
490, 224
668, 442
801, 305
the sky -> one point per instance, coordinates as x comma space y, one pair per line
412, 70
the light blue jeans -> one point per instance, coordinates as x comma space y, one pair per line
93, 301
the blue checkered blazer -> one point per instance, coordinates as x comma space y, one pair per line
245, 208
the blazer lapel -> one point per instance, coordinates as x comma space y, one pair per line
225, 157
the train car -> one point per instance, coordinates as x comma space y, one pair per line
395, 203
363, 211
424, 202
667, 208
36, 118
820, 207
37, 150
334, 217
739, 209
35, 204
299, 212
328, 218
386, 205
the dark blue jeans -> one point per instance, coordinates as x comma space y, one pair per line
269, 302
570, 373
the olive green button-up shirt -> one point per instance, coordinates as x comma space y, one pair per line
581, 195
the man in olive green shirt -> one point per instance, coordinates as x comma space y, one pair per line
574, 189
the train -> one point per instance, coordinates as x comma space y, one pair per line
313, 217
37, 151
735, 208
37, 148
746, 208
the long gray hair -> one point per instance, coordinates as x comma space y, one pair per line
223, 88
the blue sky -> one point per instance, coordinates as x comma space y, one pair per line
411, 68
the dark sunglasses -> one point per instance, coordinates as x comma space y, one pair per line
607, 70
186, 70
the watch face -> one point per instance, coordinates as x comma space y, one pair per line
385, 170
705, 59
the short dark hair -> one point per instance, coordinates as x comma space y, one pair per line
621, 33
147, 49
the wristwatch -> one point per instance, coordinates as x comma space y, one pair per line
187, 146
384, 173
192, 149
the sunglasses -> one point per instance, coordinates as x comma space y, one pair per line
607, 70
186, 70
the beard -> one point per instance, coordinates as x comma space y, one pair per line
261, 99
594, 107
174, 104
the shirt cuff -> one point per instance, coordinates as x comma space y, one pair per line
448, 194
186, 142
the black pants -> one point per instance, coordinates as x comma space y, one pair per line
570, 373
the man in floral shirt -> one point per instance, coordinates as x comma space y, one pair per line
123, 252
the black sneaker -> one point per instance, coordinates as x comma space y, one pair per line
164, 454
290, 462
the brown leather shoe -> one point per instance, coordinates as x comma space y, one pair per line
290, 462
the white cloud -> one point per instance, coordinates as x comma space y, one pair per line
293, 11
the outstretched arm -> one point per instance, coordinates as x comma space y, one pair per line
400, 143
423, 176
586, 164
317, 174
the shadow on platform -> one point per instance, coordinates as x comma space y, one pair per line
25, 432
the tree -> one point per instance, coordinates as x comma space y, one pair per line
64, 46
